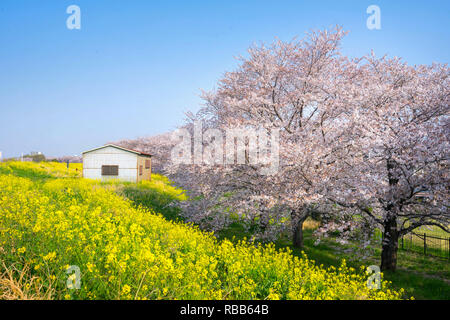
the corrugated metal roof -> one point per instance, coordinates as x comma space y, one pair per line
121, 148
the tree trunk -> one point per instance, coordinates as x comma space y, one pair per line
391, 234
297, 227
297, 237
390, 245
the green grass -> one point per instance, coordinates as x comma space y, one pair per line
23, 172
423, 277
437, 241
435, 247
157, 194
433, 231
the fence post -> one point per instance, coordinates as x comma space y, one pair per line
403, 247
425, 244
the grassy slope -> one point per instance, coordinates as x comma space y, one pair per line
157, 194
115, 243
421, 276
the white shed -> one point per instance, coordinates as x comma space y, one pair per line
114, 162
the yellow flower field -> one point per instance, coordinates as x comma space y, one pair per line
51, 219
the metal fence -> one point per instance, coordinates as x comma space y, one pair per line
426, 244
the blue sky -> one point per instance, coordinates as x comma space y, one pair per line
136, 66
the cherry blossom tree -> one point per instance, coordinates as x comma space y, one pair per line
399, 157
364, 142
300, 89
